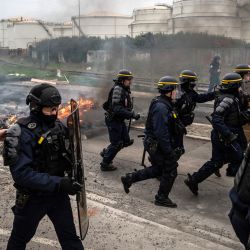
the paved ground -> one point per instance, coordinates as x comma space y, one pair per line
120, 221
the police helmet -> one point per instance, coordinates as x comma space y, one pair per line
124, 75
242, 69
188, 76
44, 95
230, 81
167, 84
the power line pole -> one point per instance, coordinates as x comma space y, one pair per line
79, 16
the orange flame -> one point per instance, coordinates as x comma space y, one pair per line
84, 105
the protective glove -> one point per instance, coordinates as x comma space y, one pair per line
230, 139
69, 187
136, 116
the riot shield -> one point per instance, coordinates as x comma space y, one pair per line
73, 124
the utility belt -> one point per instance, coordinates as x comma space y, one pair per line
151, 144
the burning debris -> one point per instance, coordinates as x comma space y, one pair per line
85, 105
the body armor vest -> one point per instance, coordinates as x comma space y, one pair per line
51, 153
232, 119
176, 127
125, 98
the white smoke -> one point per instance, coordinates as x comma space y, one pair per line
63, 10
243, 2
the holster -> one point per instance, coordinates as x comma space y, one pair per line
151, 145
21, 199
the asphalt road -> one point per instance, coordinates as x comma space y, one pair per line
121, 221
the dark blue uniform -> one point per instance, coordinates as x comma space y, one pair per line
37, 169
119, 109
240, 197
187, 104
227, 122
240, 218
160, 142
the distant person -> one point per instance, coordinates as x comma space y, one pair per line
215, 70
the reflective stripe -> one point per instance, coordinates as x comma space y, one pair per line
124, 75
165, 83
235, 70
188, 76
230, 81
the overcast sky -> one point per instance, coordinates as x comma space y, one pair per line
62, 10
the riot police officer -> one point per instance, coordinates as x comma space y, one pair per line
160, 142
188, 98
227, 136
118, 108
240, 197
244, 71
36, 151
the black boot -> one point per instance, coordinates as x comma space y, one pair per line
107, 167
102, 153
193, 186
230, 172
127, 182
162, 200
128, 143
217, 173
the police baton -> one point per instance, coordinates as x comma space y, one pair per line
144, 152
130, 120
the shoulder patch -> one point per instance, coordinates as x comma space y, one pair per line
32, 125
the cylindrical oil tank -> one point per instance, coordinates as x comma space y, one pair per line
152, 19
245, 29
185, 8
102, 24
203, 16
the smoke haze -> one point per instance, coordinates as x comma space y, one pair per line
62, 10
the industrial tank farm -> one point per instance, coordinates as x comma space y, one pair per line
102, 24
203, 16
152, 19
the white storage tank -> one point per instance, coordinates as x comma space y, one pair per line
102, 24
207, 16
245, 29
21, 32
152, 19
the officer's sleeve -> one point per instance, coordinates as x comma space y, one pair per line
219, 114
22, 172
201, 98
160, 117
117, 104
